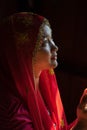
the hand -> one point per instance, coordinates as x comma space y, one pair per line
81, 123
82, 107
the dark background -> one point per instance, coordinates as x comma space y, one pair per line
68, 20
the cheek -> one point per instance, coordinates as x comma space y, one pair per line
44, 59
46, 52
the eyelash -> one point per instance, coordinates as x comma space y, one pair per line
46, 41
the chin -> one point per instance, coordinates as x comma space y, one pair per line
54, 64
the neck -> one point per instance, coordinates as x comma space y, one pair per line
36, 81
36, 74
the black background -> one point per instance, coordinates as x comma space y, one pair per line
68, 20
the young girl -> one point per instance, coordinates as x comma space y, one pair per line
29, 95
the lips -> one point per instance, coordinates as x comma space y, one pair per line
54, 57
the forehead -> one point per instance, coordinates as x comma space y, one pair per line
47, 32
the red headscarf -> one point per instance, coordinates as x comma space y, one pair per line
18, 41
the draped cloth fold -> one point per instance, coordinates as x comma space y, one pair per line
19, 39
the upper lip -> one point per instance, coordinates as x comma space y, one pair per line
54, 56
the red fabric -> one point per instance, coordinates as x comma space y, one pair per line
18, 35
53, 103
13, 113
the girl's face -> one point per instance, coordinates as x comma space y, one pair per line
46, 57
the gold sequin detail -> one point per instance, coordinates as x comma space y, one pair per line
25, 20
21, 38
51, 71
62, 123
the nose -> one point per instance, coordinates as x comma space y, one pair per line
54, 47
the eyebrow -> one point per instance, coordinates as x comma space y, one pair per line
46, 35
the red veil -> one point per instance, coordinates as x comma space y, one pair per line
18, 39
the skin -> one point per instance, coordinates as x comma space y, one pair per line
46, 57
82, 113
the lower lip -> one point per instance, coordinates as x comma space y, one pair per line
54, 58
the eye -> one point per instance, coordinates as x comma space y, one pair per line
45, 42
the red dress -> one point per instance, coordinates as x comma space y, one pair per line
41, 110
14, 114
